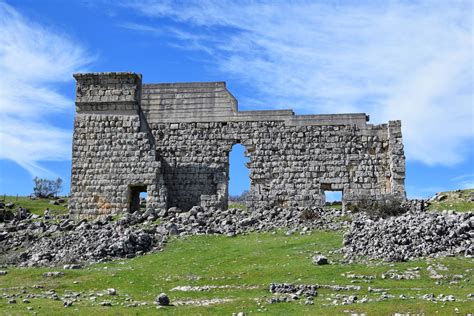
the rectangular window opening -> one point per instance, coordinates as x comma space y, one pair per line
333, 199
137, 198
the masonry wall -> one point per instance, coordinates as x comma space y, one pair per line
176, 138
112, 149
289, 165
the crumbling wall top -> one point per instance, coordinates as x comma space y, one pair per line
108, 91
185, 102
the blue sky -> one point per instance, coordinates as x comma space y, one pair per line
407, 60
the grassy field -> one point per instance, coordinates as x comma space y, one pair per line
35, 206
459, 200
239, 271
245, 265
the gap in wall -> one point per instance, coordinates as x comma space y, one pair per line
135, 194
143, 199
239, 174
333, 198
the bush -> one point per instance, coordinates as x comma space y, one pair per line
309, 214
389, 206
46, 188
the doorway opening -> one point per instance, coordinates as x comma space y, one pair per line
239, 176
137, 197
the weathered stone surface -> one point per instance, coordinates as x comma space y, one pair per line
81, 242
53, 274
404, 237
134, 233
300, 289
411, 235
320, 260
173, 141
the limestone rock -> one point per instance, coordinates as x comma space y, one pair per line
320, 260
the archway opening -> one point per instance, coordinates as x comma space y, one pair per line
239, 177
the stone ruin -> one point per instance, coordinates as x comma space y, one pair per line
172, 140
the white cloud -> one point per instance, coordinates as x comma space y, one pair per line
394, 60
32, 60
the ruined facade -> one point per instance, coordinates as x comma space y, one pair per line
173, 141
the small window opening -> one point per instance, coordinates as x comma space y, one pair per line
138, 195
333, 199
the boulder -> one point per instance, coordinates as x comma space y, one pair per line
163, 300
320, 260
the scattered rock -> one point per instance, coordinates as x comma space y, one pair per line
72, 266
53, 274
48, 243
410, 235
111, 291
286, 288
6, 215
163, 300
320, 260
441, 197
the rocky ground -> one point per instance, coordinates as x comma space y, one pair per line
32, 240
410, 235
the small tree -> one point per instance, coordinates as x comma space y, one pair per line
45, 188
242, 197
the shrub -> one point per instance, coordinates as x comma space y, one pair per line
46, 188
309, 214
389, 206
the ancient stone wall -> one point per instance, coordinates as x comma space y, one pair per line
180, 135
112, 152
289, 165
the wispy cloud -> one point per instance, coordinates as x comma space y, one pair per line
33, 59
394, 60
465, 181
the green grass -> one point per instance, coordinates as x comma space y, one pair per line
237, 205
336, 207
254, 260
247, 260
456, 200
36, 206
